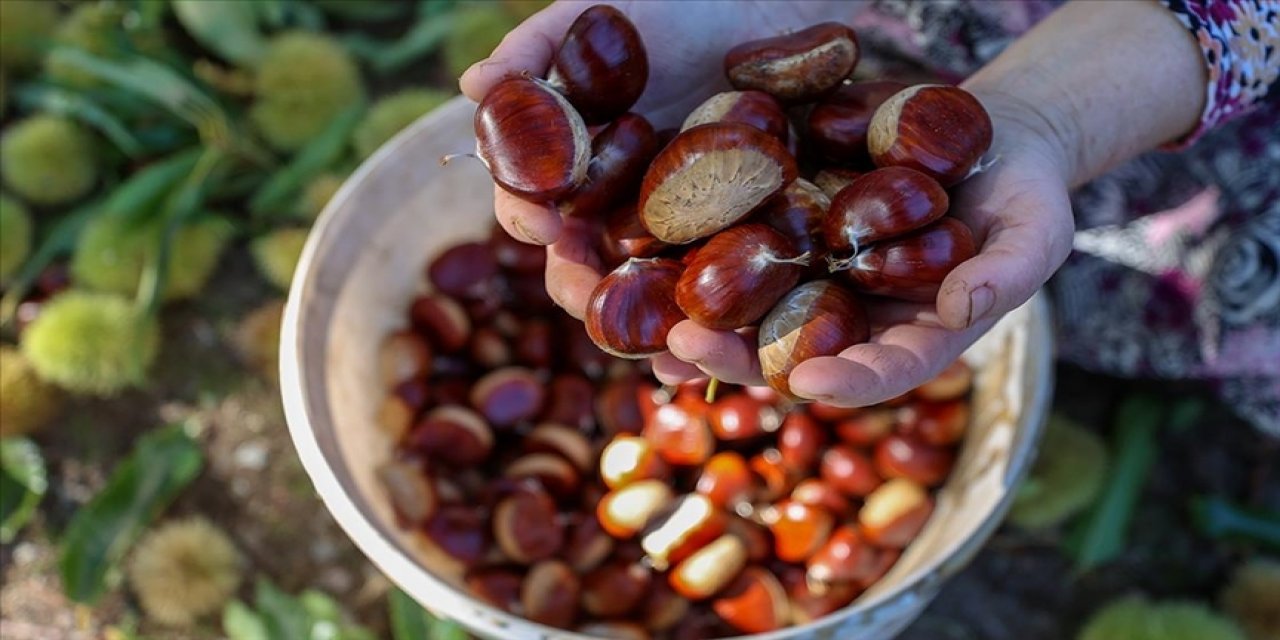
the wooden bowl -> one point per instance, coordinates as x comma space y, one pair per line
363, 264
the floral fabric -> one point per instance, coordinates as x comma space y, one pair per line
1176, 267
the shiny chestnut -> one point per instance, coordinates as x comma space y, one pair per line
754, 108
899, 456
817, 318
882, 204
755, 602
799, 530
911, 267
601, 66
838, 123
726, 481
798, 213
736, 278
894, 513
849, 470
796, 67
690, 524
532, 140
632, 309
619, 156
940, 130
740, 417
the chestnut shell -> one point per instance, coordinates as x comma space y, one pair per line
838, 124
818, 318
939, 130
533, 142
795, 67
633, 308
882, 204
912, 267
602, 66
738, 276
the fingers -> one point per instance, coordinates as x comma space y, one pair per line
669, 369
1021, 251
899, 359
525, 221
529, 47
573, 268
727, 355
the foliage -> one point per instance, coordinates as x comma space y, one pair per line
409, 621
24, 25
276, 255
1135, 618
1065, 479
279, 616
477, 30
1251, 598
113, 251
23, 482
47, 160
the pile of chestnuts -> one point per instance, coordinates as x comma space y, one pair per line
564, 485
715, 222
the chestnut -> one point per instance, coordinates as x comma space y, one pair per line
938, 424
953, 383
911, 267
754, 108
460, 532
533, 142
556, 474
935, 129
498, 586
549, 594
866, 428
515, 256
619, 156
564, 441
777, 478
710, 568
570, 402
726, 481
838, 123
894, 514
680, 434
614, 589
663, 608
738, 276
507, 396
624, 512
755, 537
489, 348
884, 561
695, 186
900, 456
740, 417
633, 308
403, 355
586, 545
601, 66
755, 602
533, 344
687, 526
395, 416
800, 441
817, 318
449, 390
627, 459
882, 204
832, 179
465, 271
824, 495
442, 320
799, 530
797, 213
830, 412
848, 470
581, 354
617, 407
809, 604
413, 495
795, 67
526, 528
846, 557
453, 435
624, 237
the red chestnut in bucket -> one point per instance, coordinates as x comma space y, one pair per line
755, 108
796, 67
532, 140
710, 177
818, 318
936, 129
633, 308
838, 125
737, 277
601, 66
913, 266
881, 204
619, 156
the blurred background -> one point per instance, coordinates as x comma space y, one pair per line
162, 161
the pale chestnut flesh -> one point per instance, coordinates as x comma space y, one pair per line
796, 67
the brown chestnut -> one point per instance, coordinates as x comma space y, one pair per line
624, 512
726, 480
894, 514
817, 318
776, 477
498, 586
489, 348
460, 532
624, 237
617, 407
564, 441
663, 608
838, 124
619, 156
795, 67
466, 270
532, 140
614, 589
797, 213
507, 396
832, 179
938, 424
413, 494
710, 568
800, 441
819, 493
741, 417
954, 382
799, 530
601, 66
848, 470
754, 108
627, 459
882, 204
442, 320
532, 345
402, 356
549, 594
570, 400
696, 186
679, 432
900, 456
586, 545
809, 603
755, 537
846, 557
935, 129
691, 523
738, 276
514, 255
755, 602
911, 267
452, 435
866, 428
556, 474
526, 527
633, 308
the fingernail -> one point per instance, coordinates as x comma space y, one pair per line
980, 302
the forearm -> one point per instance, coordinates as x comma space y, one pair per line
1104, 81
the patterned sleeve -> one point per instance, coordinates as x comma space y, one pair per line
1240, 40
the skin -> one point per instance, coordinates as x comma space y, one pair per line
1091, 86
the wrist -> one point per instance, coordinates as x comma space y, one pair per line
1023, 128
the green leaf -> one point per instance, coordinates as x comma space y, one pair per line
71, 104
285, 618
239, 622
59, 241
161, 465
363, 11
22, 484
227, 27
409, 621
1103, 533
320, 153
388, 57
281, 14
1217, 518
139, 198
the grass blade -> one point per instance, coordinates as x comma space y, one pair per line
79, 107
319, 154
1217, 518
22, 484
226, 27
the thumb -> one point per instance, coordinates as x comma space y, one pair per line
529, 47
